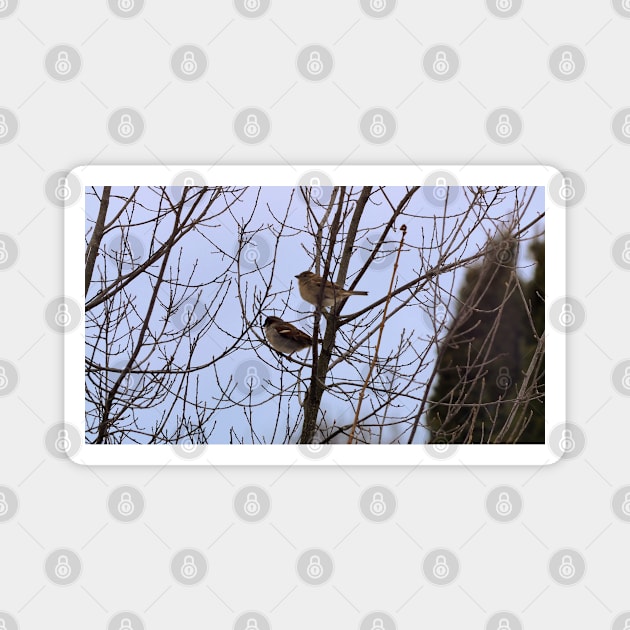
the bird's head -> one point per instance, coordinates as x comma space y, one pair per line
305, 275
271, 320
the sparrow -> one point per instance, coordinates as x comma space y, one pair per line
310, 284
285, 337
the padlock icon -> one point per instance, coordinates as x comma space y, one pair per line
189, 181
252, 380
252, 253
504, 505
440, 190
62, 64
4, 128
188, 314
129, 382
4, 506
567, 63
567, 316
567, 568
4, 254
125, 5
504, 254
63, 443
625, 254
252, 504
567, 190
125, 126
189, 63
626, 623
504, 624
252, 126
626, 7
441, 568
252, 5
315, 570
440, 447
126, 506
504, 5
378, 506
62, 569
4, 381
378, 5
378, 624
3, 625
62, 316
625, 506
62, 190
625, 128
503, 379
189, 569
625, 381
125, 624
315, 184
314, 65
377, 127
440, 63
567, 443
504, 126
252, 624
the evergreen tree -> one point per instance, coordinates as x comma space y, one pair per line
487, 350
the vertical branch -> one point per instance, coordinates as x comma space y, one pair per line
514, 425
352, 234
316, 388
403, 229
320, 227
99, 230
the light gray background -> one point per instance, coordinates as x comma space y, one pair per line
128, 560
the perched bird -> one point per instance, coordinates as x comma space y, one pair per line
310, 284
285, 337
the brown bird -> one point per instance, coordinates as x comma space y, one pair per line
310, 285
285, 337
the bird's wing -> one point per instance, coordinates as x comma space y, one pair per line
291, 332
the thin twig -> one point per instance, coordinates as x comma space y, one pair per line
403, 229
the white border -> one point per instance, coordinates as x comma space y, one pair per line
370, 455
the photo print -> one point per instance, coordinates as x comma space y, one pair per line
316, 315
